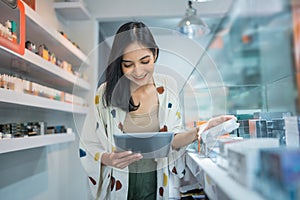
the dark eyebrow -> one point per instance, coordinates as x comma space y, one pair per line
147, 56
144, 57
126, 61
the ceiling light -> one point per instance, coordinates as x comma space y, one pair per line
191, 25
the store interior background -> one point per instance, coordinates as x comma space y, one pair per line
251, 46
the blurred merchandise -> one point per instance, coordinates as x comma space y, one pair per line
56, 129
279, 174
30, 46
9, 31
257, 128
222, 158
292, 131
15, 130
243, 159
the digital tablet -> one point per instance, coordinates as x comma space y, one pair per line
150, 144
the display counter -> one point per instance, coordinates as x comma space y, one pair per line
217, 184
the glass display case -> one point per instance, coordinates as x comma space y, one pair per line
248, 65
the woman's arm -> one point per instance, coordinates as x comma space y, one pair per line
185, 138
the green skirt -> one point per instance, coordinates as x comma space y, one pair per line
142, 180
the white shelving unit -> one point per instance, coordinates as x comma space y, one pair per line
72, 10
52, 39
35, 66
17, 144
36, 69
21, 99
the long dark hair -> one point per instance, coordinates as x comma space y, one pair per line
117, 92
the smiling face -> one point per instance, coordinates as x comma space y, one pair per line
138, 64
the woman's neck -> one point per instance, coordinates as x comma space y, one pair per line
146, 97
134, 88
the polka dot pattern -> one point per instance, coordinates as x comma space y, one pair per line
97, 126
174, 170
169, 105
97, 99
164, 129
112, 183
178, 115
97, 156
92, 180
113, 148
82, 153
120, 126
118, 185
165, 180
161, 191
113, 113
160, 90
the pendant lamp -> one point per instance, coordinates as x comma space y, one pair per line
191, 25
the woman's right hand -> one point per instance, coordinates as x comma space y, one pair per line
120, 159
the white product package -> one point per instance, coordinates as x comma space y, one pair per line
210, 136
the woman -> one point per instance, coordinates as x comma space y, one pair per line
134, 99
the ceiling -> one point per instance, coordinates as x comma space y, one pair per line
112, 10
167, 13
155, 14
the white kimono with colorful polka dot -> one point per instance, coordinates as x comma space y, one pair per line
97, 137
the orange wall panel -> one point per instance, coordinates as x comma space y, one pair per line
296, 33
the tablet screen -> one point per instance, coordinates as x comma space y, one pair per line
150, 144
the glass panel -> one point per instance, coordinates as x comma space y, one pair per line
251, 64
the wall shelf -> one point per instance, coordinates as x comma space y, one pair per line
40, 70
17, 144
72, 10
52, 39
21, 99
